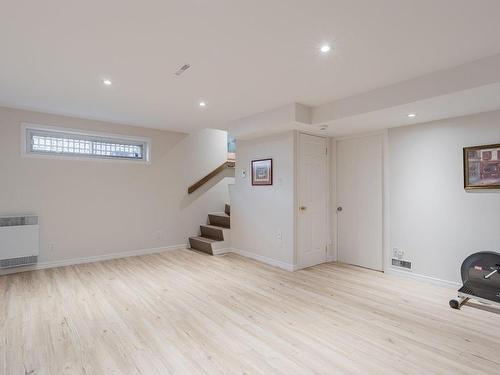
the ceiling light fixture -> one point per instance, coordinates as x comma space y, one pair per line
412, 115
325, 48
107, 82
203, 104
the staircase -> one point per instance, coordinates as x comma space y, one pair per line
214, 237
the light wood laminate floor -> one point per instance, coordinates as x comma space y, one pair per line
182, 312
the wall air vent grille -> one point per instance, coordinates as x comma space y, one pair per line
401, 263
18, 262
18, 221
182, 69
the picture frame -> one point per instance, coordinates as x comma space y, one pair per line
482, 167
262, 172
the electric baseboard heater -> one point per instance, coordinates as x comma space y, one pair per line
18, 241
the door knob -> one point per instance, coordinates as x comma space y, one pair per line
339, 209
303, 208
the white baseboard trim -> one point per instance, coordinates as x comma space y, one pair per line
92, 259
266, 260
416, 276
221, 251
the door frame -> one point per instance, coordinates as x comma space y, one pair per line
296, 204
385, 195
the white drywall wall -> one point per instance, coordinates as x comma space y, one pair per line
93, 208
260, 213
432, 218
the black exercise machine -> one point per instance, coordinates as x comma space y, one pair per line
481, 277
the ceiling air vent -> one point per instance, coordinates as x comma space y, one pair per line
182, 69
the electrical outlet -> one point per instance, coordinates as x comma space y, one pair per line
401, 254
395, 253
51, 245
279, 238
158, 234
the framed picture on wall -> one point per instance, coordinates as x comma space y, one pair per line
482, 167
262, 172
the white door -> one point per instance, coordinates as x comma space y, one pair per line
312, 200
359, 201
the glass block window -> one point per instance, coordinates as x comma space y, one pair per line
87, 145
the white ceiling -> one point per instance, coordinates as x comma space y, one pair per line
247, 56
481, 99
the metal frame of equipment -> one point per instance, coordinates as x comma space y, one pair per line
481, 279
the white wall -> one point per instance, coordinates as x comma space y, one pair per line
432, 218
259, 213
93, 208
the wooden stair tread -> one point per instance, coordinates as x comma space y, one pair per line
221, 214
220, 219
214, 226
212, 235
212, 231
204, 239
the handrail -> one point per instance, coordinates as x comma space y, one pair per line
208, 177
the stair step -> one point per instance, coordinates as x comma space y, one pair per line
212, 231
227, 209
220, 219
202, 244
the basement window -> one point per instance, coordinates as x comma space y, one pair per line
75, 144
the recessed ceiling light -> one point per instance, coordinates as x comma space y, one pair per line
203, 104
412, 115
325, 48
107, 82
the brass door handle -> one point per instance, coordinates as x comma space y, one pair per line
303, 208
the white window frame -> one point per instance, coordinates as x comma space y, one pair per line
28, 128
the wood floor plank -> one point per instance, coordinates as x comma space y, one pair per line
182, 312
